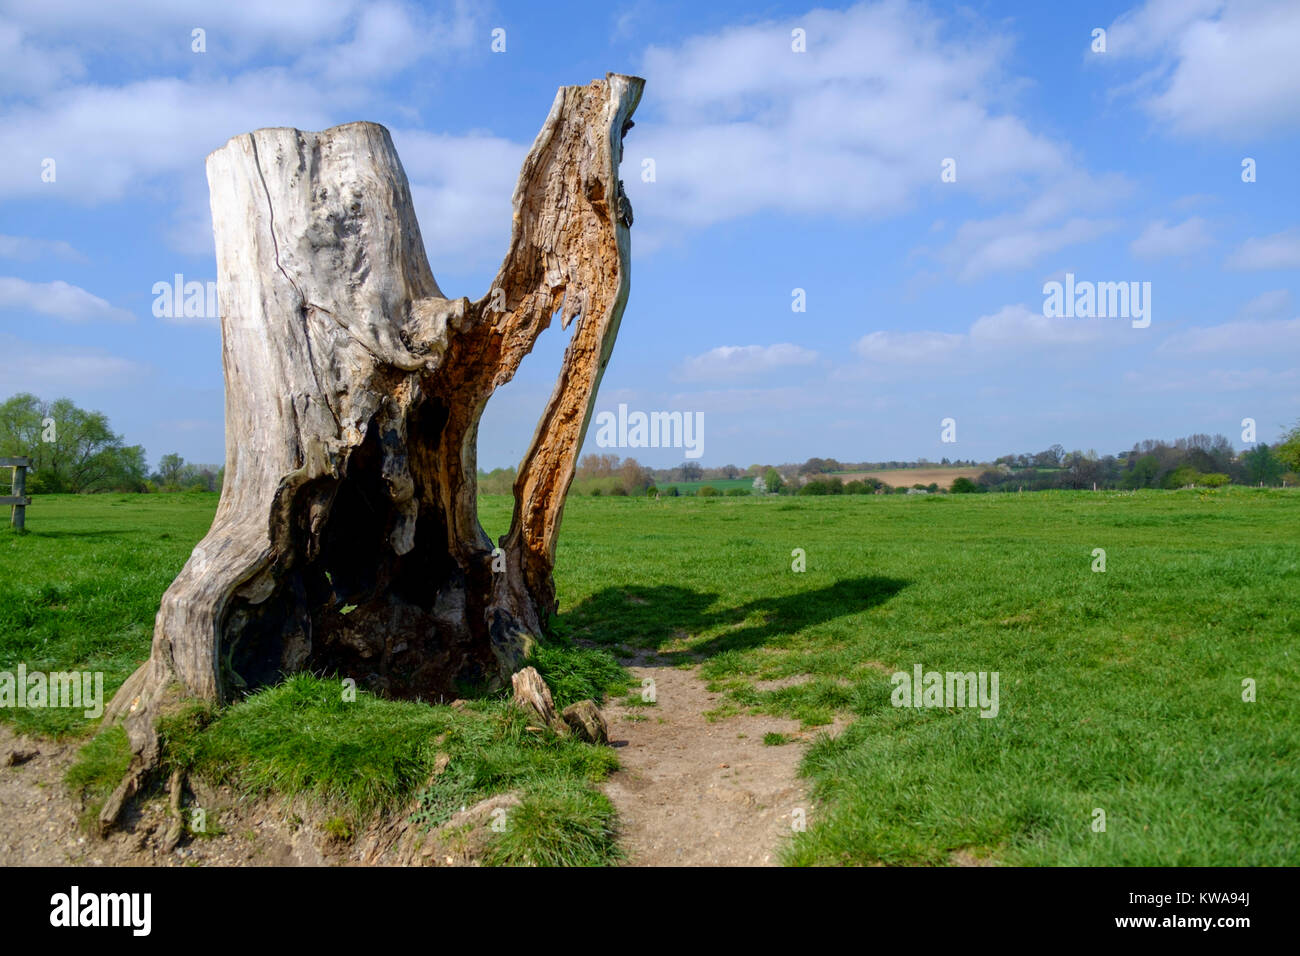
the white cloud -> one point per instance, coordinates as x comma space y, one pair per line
1010, 332
37, 368
389, 37
28, 249
190, 228
1017, 327
1266, 305
461, 187
1262, 337
857, 126
109, 141
235, 31
58, 300
1159, 240
1278, 251
337, 41
1156, 25
26, 68
908, 347
1221, 68
106, 140
1193, 200
1018, 239
739, 361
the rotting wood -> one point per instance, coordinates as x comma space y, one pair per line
347, 537
533, 695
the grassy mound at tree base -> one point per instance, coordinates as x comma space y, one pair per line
369, 757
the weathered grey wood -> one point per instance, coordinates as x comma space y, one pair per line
176, 823
347, 537
586, 721
531, 692
19, 499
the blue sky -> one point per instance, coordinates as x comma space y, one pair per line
774, 170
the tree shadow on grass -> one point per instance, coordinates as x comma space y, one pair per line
654, 617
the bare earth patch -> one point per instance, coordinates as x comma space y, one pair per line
39, 827
699, 793
691, 792
907, 477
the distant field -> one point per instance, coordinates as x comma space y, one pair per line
1120, 691
691, 487
907, 477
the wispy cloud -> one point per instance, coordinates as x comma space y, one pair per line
1263, 337
1278, 251
1224, 68
741, 361
461, 187
1267, 305
1019, 239
39, 368
1159, 240
1010, 332
857, 127
111, 140
909, 347
59, 300
27, 249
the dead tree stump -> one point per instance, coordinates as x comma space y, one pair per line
347, 537
534, 697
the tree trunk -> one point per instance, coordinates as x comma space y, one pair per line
347, 537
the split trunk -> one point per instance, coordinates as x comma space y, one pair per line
347, 538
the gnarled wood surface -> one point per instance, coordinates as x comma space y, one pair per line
347, 538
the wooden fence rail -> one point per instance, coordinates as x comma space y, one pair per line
18, 499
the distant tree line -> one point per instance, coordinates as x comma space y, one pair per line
827, 466
176, 474
611, 475
1199, 460
498, 481
75, 451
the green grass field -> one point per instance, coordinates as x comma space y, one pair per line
723, 485
80, 590
1119, 691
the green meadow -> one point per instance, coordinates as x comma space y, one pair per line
721, 485
1120, 691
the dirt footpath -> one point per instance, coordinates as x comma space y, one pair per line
38, 823
691, 792
699, 793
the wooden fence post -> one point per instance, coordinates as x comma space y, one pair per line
19, 499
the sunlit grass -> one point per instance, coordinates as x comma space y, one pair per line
1119, 691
